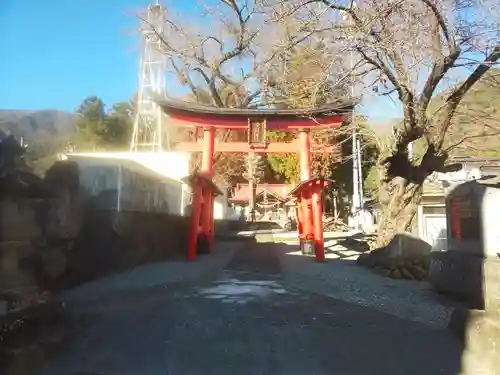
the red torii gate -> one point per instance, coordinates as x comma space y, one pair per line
256, 122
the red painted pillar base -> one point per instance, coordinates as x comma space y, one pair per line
212, 223
307, 219
207, 166
298, 216
312, 211
195, 223
319, 242
204, 226
206, 223
305, 174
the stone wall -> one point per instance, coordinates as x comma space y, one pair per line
103, 216
18, 219
67, 239
19, 232
106, 242
111, 242
118, 231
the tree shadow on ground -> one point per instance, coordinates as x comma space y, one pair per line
357, 336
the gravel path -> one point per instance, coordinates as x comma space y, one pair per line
246, 321
341, 278
150, 276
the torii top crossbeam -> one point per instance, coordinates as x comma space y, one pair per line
188, 114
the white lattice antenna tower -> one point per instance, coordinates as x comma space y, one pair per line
149, 125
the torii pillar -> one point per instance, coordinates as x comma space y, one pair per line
309, 205
207, 168
201, 230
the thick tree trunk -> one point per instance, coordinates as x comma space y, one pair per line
399, 199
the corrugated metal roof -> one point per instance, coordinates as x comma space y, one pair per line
483, 161
487, 165
433, 188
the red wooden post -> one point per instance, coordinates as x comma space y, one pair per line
303, 218
310, 218
207, 163
207, 166
298, 215
212, 221
310, 212
195, 222
205, 214
305, 174
307, 223
319, 244
305, 155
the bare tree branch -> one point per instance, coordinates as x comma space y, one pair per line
470, 137
458, 94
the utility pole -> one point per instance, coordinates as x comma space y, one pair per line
355, 175
360, 190
357, 179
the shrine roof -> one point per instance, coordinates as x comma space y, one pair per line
315, 181
279, 191
171, 106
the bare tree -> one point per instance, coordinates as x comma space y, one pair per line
235, 57
411, 50
224, 59
215, 60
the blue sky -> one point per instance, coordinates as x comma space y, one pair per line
57, 52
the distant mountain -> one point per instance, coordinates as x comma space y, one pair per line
37, 126
478, 113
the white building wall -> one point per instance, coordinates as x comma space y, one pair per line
148, 181
135, 182
222, 211
174, 165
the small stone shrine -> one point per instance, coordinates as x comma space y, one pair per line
469, 269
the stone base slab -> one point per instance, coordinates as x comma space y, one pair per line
472, 279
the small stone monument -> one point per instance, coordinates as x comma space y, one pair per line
470, 266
